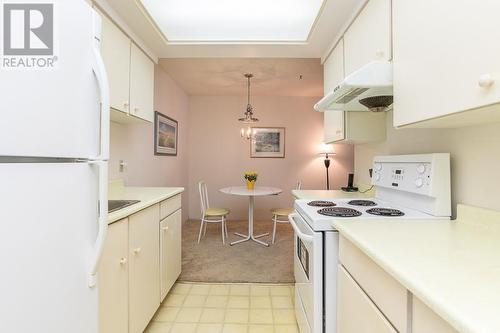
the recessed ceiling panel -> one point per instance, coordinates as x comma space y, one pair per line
234, 20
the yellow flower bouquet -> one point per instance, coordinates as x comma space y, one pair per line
251, 178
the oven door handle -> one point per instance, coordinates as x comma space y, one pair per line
300, 234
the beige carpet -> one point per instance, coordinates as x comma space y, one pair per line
210, 261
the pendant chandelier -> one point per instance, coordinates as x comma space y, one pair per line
248, 118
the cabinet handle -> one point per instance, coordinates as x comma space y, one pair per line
486, 81
136, 110
125, 105
137, 250
123, 261
164, 228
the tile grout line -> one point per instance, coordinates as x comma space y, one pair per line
248, 295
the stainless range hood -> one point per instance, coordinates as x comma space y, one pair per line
367, 89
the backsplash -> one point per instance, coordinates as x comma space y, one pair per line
475, 158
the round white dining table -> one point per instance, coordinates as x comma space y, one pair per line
258, 191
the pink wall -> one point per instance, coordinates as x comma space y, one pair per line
218, 155
133, 143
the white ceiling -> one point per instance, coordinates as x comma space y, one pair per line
224, 76
234, 20
333, 20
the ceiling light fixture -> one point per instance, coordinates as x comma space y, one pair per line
248, 118
234, 21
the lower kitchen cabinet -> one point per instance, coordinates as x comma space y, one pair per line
424, 320
356, 312
388, 295
371, 300
144, 275
170, 251
113, 280
140, 263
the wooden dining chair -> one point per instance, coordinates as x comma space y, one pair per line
211, 214
280, 215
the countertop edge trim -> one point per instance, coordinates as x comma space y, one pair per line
145, 205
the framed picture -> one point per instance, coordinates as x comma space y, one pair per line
166, 134
268, 142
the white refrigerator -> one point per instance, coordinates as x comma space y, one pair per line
54, 147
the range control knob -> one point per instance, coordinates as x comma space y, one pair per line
378, 166
421, 168
419, 182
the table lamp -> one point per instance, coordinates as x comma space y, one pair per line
327, 151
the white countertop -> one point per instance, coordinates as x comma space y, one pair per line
452, 266
148, 196
332, 194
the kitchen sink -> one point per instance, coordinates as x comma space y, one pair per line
114, 205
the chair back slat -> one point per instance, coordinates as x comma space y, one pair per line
204, 204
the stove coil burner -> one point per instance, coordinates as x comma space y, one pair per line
321, 203
385, 212
339, 212
364, 203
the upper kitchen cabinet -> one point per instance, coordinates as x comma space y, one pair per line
334, 73
130, 74
142, 72
446, 63
115, 50
369, 37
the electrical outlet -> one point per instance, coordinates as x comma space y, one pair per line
123, 165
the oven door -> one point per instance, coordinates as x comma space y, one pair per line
308, 271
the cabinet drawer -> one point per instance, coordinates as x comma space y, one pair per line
169, 206
389, 296
427, 321
356, 312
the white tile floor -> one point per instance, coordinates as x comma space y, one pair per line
226, 308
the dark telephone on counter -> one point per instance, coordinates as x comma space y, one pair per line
350, 187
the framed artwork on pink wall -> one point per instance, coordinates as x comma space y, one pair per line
267, 142
166, 135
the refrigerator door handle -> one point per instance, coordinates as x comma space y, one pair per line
102, 221
103, 84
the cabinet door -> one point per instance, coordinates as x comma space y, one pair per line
115, 50
141, 85
424, 320
333, 121
369, 36
144, 276
439, 65
170, 251
113, 280
355, 311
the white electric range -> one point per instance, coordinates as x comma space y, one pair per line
415, 187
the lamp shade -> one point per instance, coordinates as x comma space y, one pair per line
326, 149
